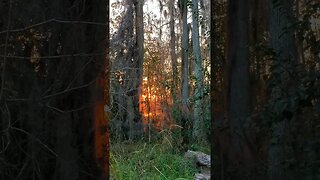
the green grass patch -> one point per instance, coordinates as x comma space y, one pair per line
142, 160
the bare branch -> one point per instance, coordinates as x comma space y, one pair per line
57, 93
53, 20
55, 57
69, 89
71, 110
78, 73
5, 52
38, 140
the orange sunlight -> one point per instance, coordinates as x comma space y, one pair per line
152, 107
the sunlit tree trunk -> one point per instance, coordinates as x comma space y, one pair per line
185, 67
184, 54
173, 51
198, 124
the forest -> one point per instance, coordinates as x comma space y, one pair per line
160, 89
265, 87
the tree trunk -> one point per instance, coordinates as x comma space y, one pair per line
138, 61
283, 43
54, 122
173, 52
241, 157
198, 125
185, 68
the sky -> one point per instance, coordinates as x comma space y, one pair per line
149, 6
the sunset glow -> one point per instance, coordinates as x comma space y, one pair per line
152, 108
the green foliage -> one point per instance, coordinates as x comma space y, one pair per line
148, 161
295, 96
201, 148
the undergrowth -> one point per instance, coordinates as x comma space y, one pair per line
142, 160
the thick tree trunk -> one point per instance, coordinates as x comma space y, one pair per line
198, 125
173, 52
240, 156
54, 121
283, 43
138, 65
184, 55
185, 69
100, 43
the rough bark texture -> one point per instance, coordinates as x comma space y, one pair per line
127, 49
139, 63
185, 67
198, 124
184, 54
173, 51
122, 45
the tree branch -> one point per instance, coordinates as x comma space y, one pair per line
53, 20
55, 57
5, 52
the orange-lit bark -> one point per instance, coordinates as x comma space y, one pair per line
101, 115
101, 123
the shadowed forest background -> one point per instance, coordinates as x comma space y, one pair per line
265, 89
122, 89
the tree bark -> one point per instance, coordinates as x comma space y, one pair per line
240, 158
198, 125
138, 61
283, 43
173, 52
54, 120
185, 68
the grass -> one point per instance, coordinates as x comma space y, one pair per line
142, 160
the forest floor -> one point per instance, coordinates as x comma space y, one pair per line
155, 160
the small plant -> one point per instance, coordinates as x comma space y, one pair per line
148, 161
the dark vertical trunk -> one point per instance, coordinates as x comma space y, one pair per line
283, 43
138, 65
100, 44
217, 100
54, 133
185, 67
240, 157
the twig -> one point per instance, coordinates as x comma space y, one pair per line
4, 146
68, 90
79, 72
6, 131
68, 111
55, 21
55, 57
23, 167
5, 51
38, 140
55, 94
